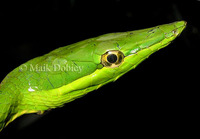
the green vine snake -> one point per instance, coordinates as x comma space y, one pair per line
50, 81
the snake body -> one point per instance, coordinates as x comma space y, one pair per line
51, 80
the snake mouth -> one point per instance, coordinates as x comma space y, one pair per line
159, 37
178, 28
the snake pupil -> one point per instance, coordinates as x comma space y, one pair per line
112, 58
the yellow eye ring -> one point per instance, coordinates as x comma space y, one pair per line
112, 58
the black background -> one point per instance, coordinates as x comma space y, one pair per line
157, 99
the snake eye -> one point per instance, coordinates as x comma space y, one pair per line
112, 58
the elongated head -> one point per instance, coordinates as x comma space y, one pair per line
96, 61
117, 53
